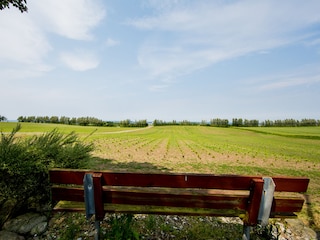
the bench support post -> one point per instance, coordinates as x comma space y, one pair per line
88, 195
254, 202
97, 229
253, 207
266, 201
98, 203
93, 199
246, 232
259, 204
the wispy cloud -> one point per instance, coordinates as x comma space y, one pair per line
158, 88
23, 47
79, 60
21, 39
306, 76
111, 42
203, 33
289, 81
26, 38
314, 42
72, 19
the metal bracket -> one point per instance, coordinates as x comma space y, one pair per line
89, 202
89, 195
266, 201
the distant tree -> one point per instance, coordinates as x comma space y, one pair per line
254, 123
21, 119
267, 123
73, 121
31, 119
125, 123
237, 122
46, 119
185, 122
54, 119
204, 123
83, 121
3, 118
64, 120
217, 122
142, 123
20, 4
250, 123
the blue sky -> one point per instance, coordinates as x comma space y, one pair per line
161, 59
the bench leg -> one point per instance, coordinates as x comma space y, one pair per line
246, 232
97, 230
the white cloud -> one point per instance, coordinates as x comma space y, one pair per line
162, 5
79, 60
23, 71
305, 76
73, 19
111, 42
23, 47
203, 33
26, 44
314, 42
21, 39
289, 81
158, 88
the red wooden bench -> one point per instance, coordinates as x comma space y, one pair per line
252, 198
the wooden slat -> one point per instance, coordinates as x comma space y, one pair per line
118, 208
284, 204
280, 204
69, 206
285, 210
69, 176
291, 184
180, 199
176, 200
67, 194
227, 182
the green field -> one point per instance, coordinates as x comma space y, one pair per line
251, 151
46, 127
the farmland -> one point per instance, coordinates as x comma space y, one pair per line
251, 151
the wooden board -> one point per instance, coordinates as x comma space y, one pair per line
171, 180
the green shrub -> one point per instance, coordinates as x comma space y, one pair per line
72, 228
121, 227
24, 163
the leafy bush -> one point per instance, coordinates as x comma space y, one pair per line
121, 227
24, 162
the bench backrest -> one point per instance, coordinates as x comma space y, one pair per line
223, 193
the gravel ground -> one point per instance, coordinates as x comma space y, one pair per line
74, 226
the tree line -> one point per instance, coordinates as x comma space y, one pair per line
291, 123
157, 122
239, 122
82, 121
215, 122
129, 123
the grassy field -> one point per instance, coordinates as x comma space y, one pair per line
28, 128
251, 151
